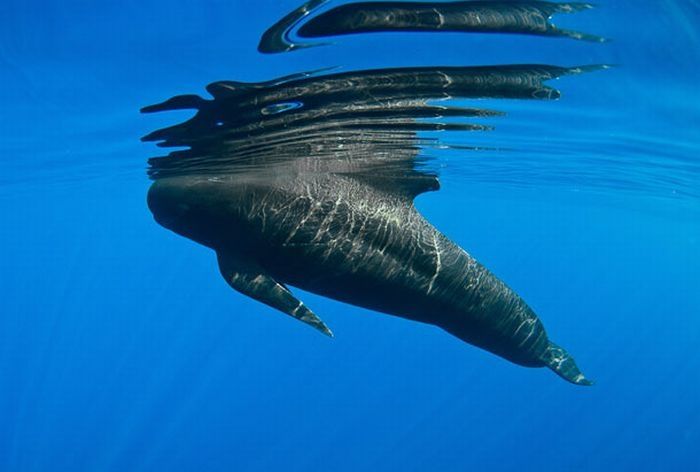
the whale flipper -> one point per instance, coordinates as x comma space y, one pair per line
561, 362
248, 278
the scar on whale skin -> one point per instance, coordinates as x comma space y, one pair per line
309, 181
520, 17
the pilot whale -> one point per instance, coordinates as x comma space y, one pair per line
320, 196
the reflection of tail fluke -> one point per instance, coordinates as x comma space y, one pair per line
521, 17
561, 362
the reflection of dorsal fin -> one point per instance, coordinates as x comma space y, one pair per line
232, 88
229, 88
298, 76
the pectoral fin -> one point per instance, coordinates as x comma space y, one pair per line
248, 278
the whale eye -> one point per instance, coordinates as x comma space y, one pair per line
280, 108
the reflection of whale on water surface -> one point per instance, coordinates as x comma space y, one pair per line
310, 180
491, 16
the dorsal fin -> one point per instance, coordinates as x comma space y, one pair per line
406, 185
229, 88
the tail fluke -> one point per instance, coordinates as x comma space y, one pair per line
561, 362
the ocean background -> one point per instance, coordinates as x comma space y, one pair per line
122, 348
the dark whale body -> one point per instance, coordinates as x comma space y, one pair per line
332, 212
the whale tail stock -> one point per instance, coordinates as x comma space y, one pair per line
563, 364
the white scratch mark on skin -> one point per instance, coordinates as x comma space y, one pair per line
531, 324
295, 312
438, 263
522, 323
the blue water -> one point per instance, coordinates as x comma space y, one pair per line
121, 348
